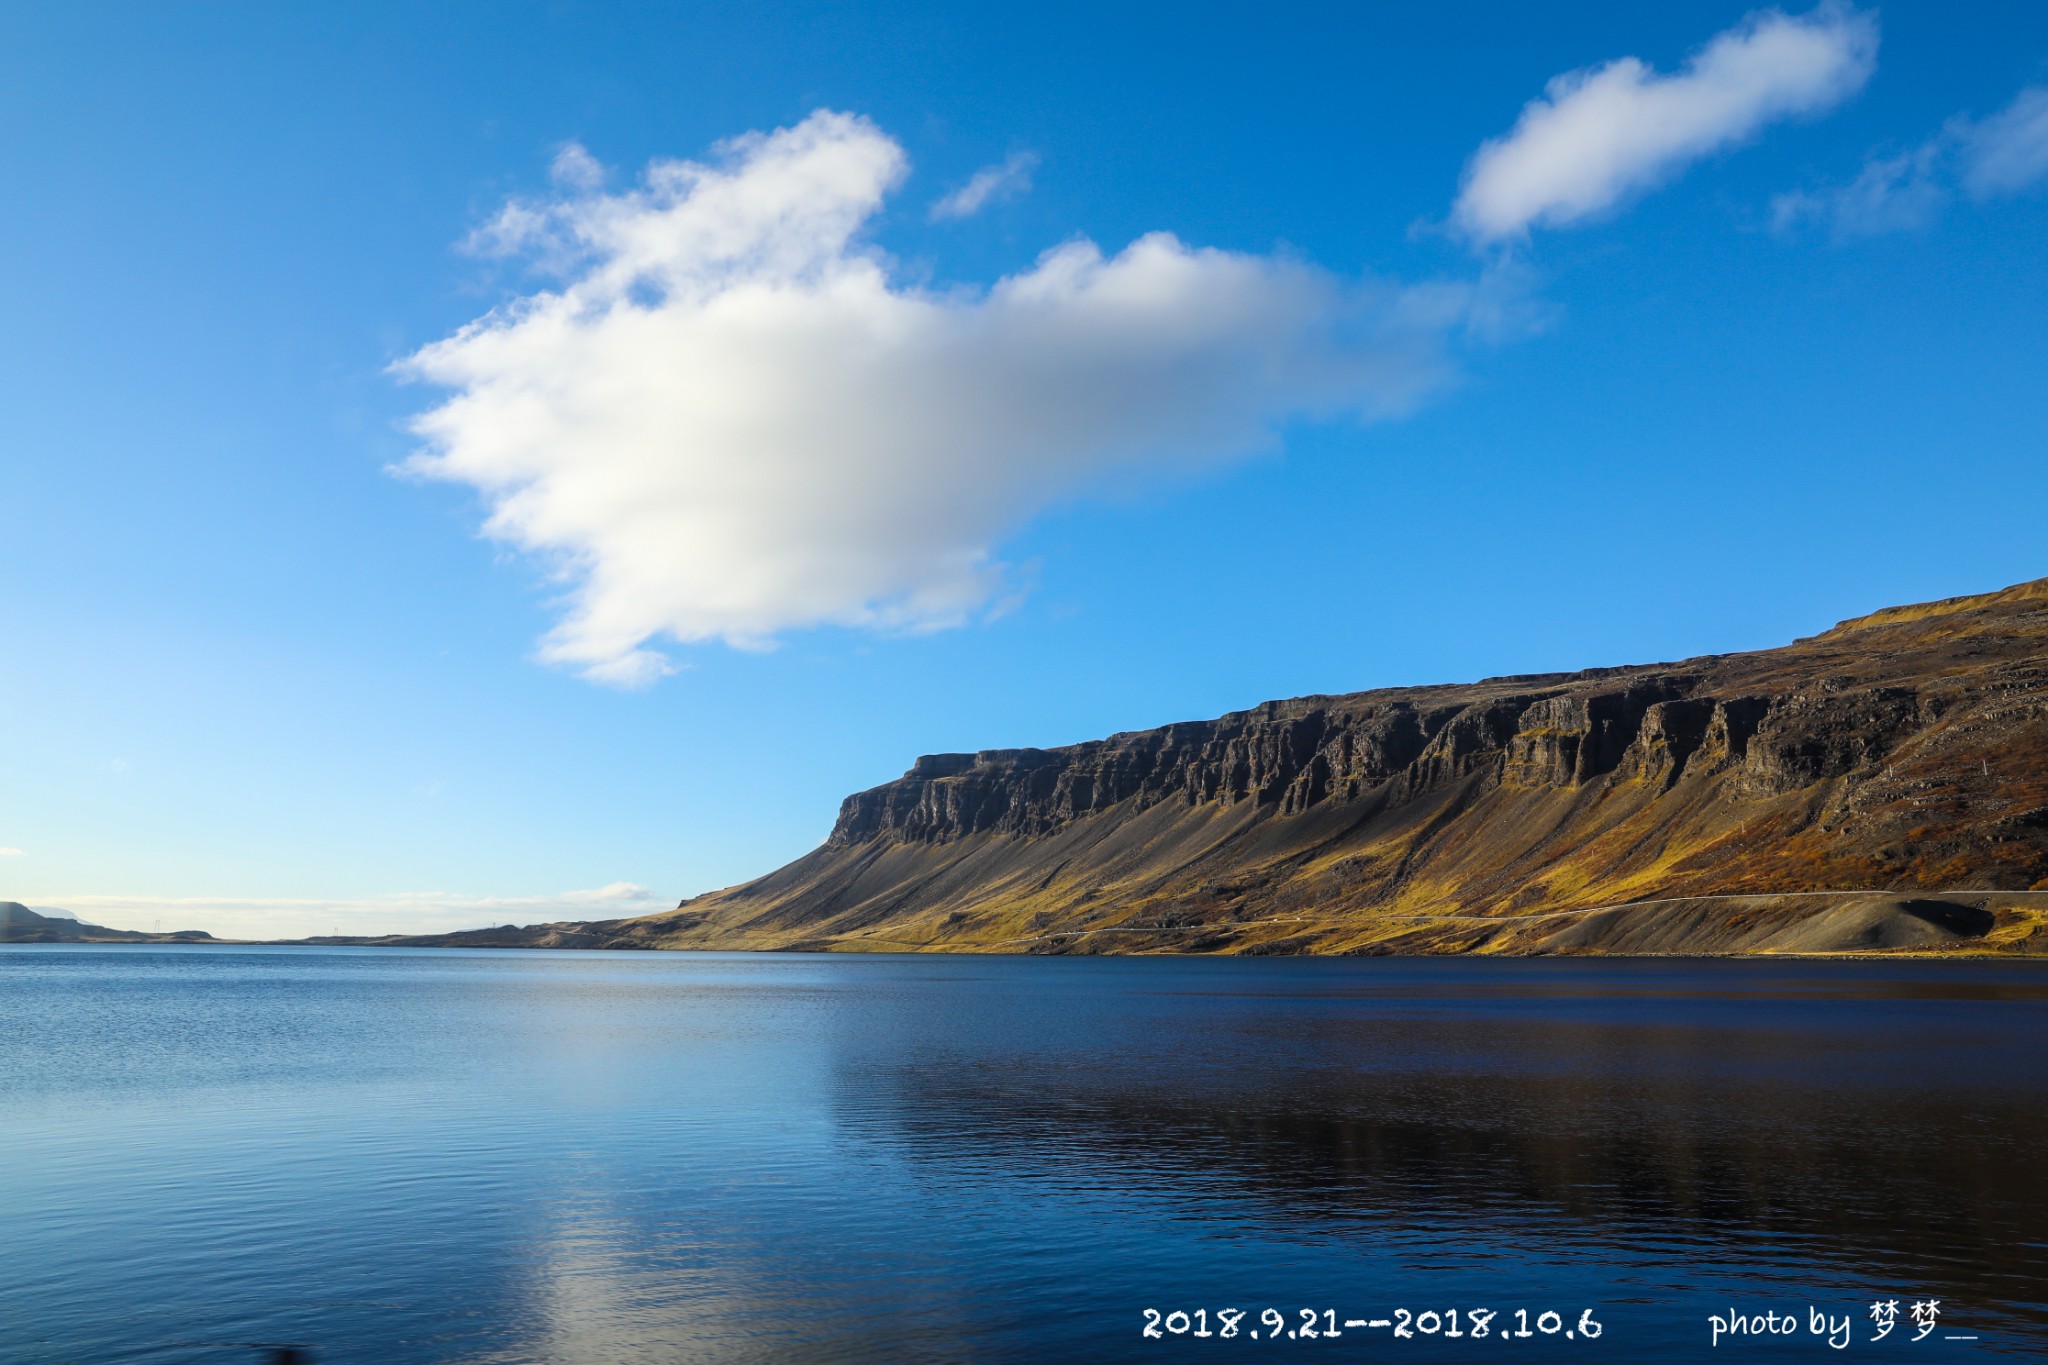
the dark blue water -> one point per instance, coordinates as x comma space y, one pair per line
398, 1156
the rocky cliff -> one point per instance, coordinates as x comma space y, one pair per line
1883, 785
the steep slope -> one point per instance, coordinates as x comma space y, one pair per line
1904, 752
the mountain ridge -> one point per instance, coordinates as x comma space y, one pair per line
1879, 786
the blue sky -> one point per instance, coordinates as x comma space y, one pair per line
1707, 352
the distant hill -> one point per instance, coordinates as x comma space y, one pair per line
19, 924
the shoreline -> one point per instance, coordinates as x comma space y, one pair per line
2015, 927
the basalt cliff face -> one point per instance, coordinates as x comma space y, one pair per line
1881, 786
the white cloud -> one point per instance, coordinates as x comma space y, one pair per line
1005, 180
730, 421
575, 168
2007, 152
1890, 194
406, 912
2003, 154
12, 853
1603, 133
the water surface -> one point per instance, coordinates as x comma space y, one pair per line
424, 1155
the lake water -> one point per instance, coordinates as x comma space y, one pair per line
418, 1155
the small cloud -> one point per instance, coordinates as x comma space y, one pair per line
613, 893
1891, 194
12, 853
632, 671
575, 169
2007, 152
1604, 133
2003, 154
989, 185
533, 227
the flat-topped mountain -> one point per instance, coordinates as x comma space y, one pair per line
1881, 785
